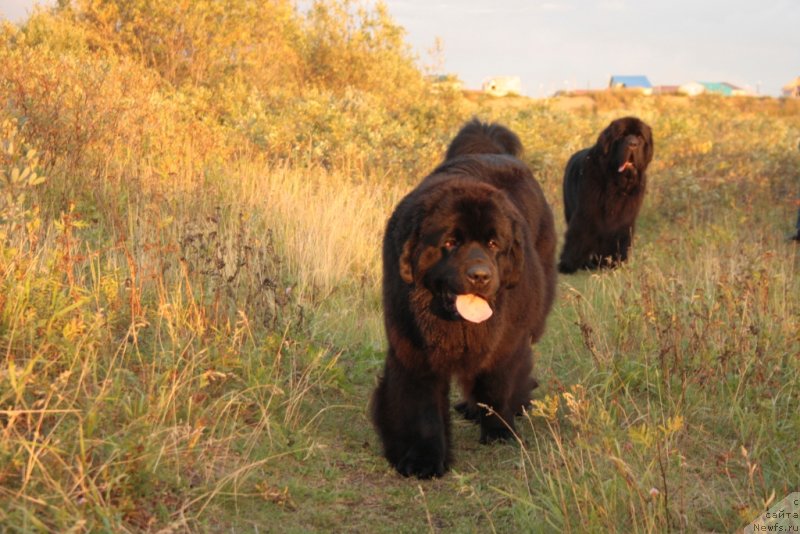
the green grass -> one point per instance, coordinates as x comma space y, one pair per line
202, 359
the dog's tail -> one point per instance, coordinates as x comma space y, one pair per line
477, 137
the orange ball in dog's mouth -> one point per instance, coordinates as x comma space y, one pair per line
473, 308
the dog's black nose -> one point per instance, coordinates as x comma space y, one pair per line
479, 274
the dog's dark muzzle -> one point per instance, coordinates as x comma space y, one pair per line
479, 274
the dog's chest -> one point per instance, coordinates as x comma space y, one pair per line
460, 347
621, 206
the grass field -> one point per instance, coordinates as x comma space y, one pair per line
208, 367
190, 328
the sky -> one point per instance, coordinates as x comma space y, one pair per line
578, 44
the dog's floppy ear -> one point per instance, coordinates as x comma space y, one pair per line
406, 265
648, 137
411, 232
514, 258
606, 139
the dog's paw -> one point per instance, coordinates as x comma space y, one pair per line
423, 461
566, 268
493, 434
468, 410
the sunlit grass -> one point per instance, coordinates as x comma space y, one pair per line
202, 359
680, 378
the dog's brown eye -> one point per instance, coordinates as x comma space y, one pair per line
493, 244
451, 243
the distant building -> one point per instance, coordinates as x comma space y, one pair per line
692, 89
713, 88
739, 91
502, 86
792, 89
718, 88
639, 83
665, 89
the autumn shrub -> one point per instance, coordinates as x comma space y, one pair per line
118, 93
103, 125
203, 43
20, 174
353, 131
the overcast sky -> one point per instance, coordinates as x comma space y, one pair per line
573, 44
555, 44
16, 10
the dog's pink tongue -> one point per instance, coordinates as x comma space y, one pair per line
624, 166
473, 308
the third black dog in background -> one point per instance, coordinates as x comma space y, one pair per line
603, 191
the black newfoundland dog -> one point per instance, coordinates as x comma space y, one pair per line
603, 191
468, 280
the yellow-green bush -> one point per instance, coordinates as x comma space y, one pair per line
119, 95
204, 42
103, 124
20, 174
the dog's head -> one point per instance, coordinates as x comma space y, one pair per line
466, 240
626, 147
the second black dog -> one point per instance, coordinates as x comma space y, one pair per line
603, 191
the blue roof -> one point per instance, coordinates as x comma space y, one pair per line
630, 81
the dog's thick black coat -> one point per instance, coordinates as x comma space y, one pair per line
603, 191
476, 213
